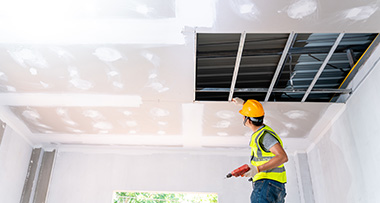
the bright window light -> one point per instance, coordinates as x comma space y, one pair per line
163, 197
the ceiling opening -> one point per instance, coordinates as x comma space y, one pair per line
287, 67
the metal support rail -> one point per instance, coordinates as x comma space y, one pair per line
329, 55
280, 90
280, 64
237, 65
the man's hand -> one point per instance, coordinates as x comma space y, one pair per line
252, 172
237, 101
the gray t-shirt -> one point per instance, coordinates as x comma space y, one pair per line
267, 141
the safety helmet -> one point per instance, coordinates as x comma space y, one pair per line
252, 108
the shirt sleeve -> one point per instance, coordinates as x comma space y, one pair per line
267, 141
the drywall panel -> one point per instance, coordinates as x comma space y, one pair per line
14, 159
334, 167
77, 176
344, 163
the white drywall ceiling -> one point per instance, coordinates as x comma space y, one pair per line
122, 72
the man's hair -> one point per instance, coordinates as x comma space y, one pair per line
257, 121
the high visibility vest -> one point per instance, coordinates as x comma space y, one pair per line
260, 157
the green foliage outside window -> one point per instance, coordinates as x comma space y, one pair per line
149, 197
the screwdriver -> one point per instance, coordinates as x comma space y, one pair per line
239, 171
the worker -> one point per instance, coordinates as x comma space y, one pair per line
268, 156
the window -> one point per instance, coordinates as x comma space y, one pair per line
163, 197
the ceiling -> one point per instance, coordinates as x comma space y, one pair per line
142, 73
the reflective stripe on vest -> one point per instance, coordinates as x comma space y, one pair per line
260, 157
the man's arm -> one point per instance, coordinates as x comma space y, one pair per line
280, 158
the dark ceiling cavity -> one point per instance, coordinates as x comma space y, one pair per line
295, 67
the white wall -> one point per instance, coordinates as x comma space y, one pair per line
15, 154
292, 186
93, 176
345, 164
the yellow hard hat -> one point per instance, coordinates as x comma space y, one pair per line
252, 108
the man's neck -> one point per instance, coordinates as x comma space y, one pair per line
255, 128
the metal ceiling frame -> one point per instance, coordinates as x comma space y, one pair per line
237, 65
360, 62
350, 56
280, 64
316, 77
304, 89
355, 68
284, 90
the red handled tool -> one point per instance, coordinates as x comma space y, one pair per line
239, 171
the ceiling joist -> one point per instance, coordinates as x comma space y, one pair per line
237, 65
276, 90
316, 77
280, 64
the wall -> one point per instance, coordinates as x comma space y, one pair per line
14, 160
92, 176
344, 163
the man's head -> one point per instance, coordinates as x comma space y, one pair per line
253, 111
